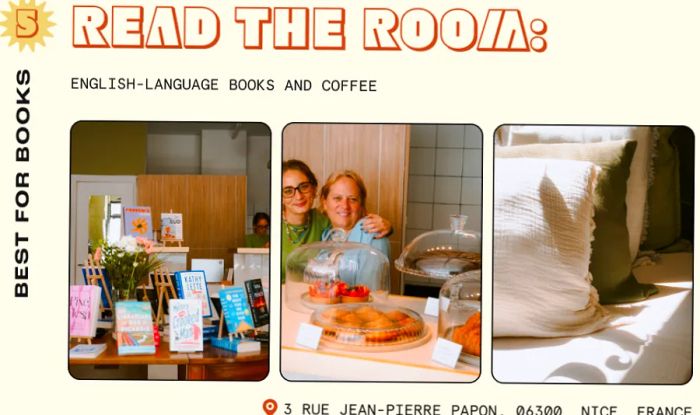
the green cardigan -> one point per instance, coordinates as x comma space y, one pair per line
317, 223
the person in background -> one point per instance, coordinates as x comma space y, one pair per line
260, 238
301, 222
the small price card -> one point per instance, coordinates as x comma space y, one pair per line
431, 306
446, 352
309, 335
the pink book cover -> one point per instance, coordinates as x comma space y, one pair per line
84, 308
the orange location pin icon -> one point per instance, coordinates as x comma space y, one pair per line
270, 406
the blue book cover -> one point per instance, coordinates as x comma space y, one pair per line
236, 345
108, 283
234, 304
192, 285
134, 328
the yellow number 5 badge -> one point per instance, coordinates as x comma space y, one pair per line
27, 24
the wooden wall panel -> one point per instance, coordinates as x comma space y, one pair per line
213, 210
348, 147
305, 142
199, 209
378, 152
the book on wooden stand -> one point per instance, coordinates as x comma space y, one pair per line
235, 344
171, 228
192, 284
134, 328
186, 326
84, 309
237, 316
137, 221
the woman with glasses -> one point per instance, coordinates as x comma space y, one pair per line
301, 223
260, 238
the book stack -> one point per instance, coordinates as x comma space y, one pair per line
210, 331
236, 345
86, 351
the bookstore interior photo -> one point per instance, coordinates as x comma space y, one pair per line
169, 251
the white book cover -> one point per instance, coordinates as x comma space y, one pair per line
186, 326
171, 227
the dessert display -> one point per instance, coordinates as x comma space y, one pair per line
469, 335
323, 292
369, 327
459, 318
445, 262
442, 254
356, 294
323, 274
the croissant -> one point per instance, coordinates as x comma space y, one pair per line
469, 335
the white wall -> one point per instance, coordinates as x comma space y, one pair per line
224, 151
258, 177
170, 153
214, 148
444, 177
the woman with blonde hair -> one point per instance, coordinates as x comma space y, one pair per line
301, 222
343, 200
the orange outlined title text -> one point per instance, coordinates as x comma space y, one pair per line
303, 28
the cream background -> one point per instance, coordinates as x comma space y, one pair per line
622, 62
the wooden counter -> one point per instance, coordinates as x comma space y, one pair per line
211, 364
325, 363
219, 364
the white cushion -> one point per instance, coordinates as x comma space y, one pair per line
543, 227
640, 170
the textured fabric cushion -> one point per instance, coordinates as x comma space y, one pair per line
664, 195
640, 169
611, 264
543, 224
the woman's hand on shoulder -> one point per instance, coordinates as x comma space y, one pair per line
373, 223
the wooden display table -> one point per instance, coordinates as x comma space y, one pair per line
219, 364
211, 364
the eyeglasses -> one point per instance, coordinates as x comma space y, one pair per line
303, 187
262, 226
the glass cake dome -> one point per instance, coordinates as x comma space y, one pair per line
442, 253
320, 274
459, 318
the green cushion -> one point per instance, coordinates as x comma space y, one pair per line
611, 265
663, 197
